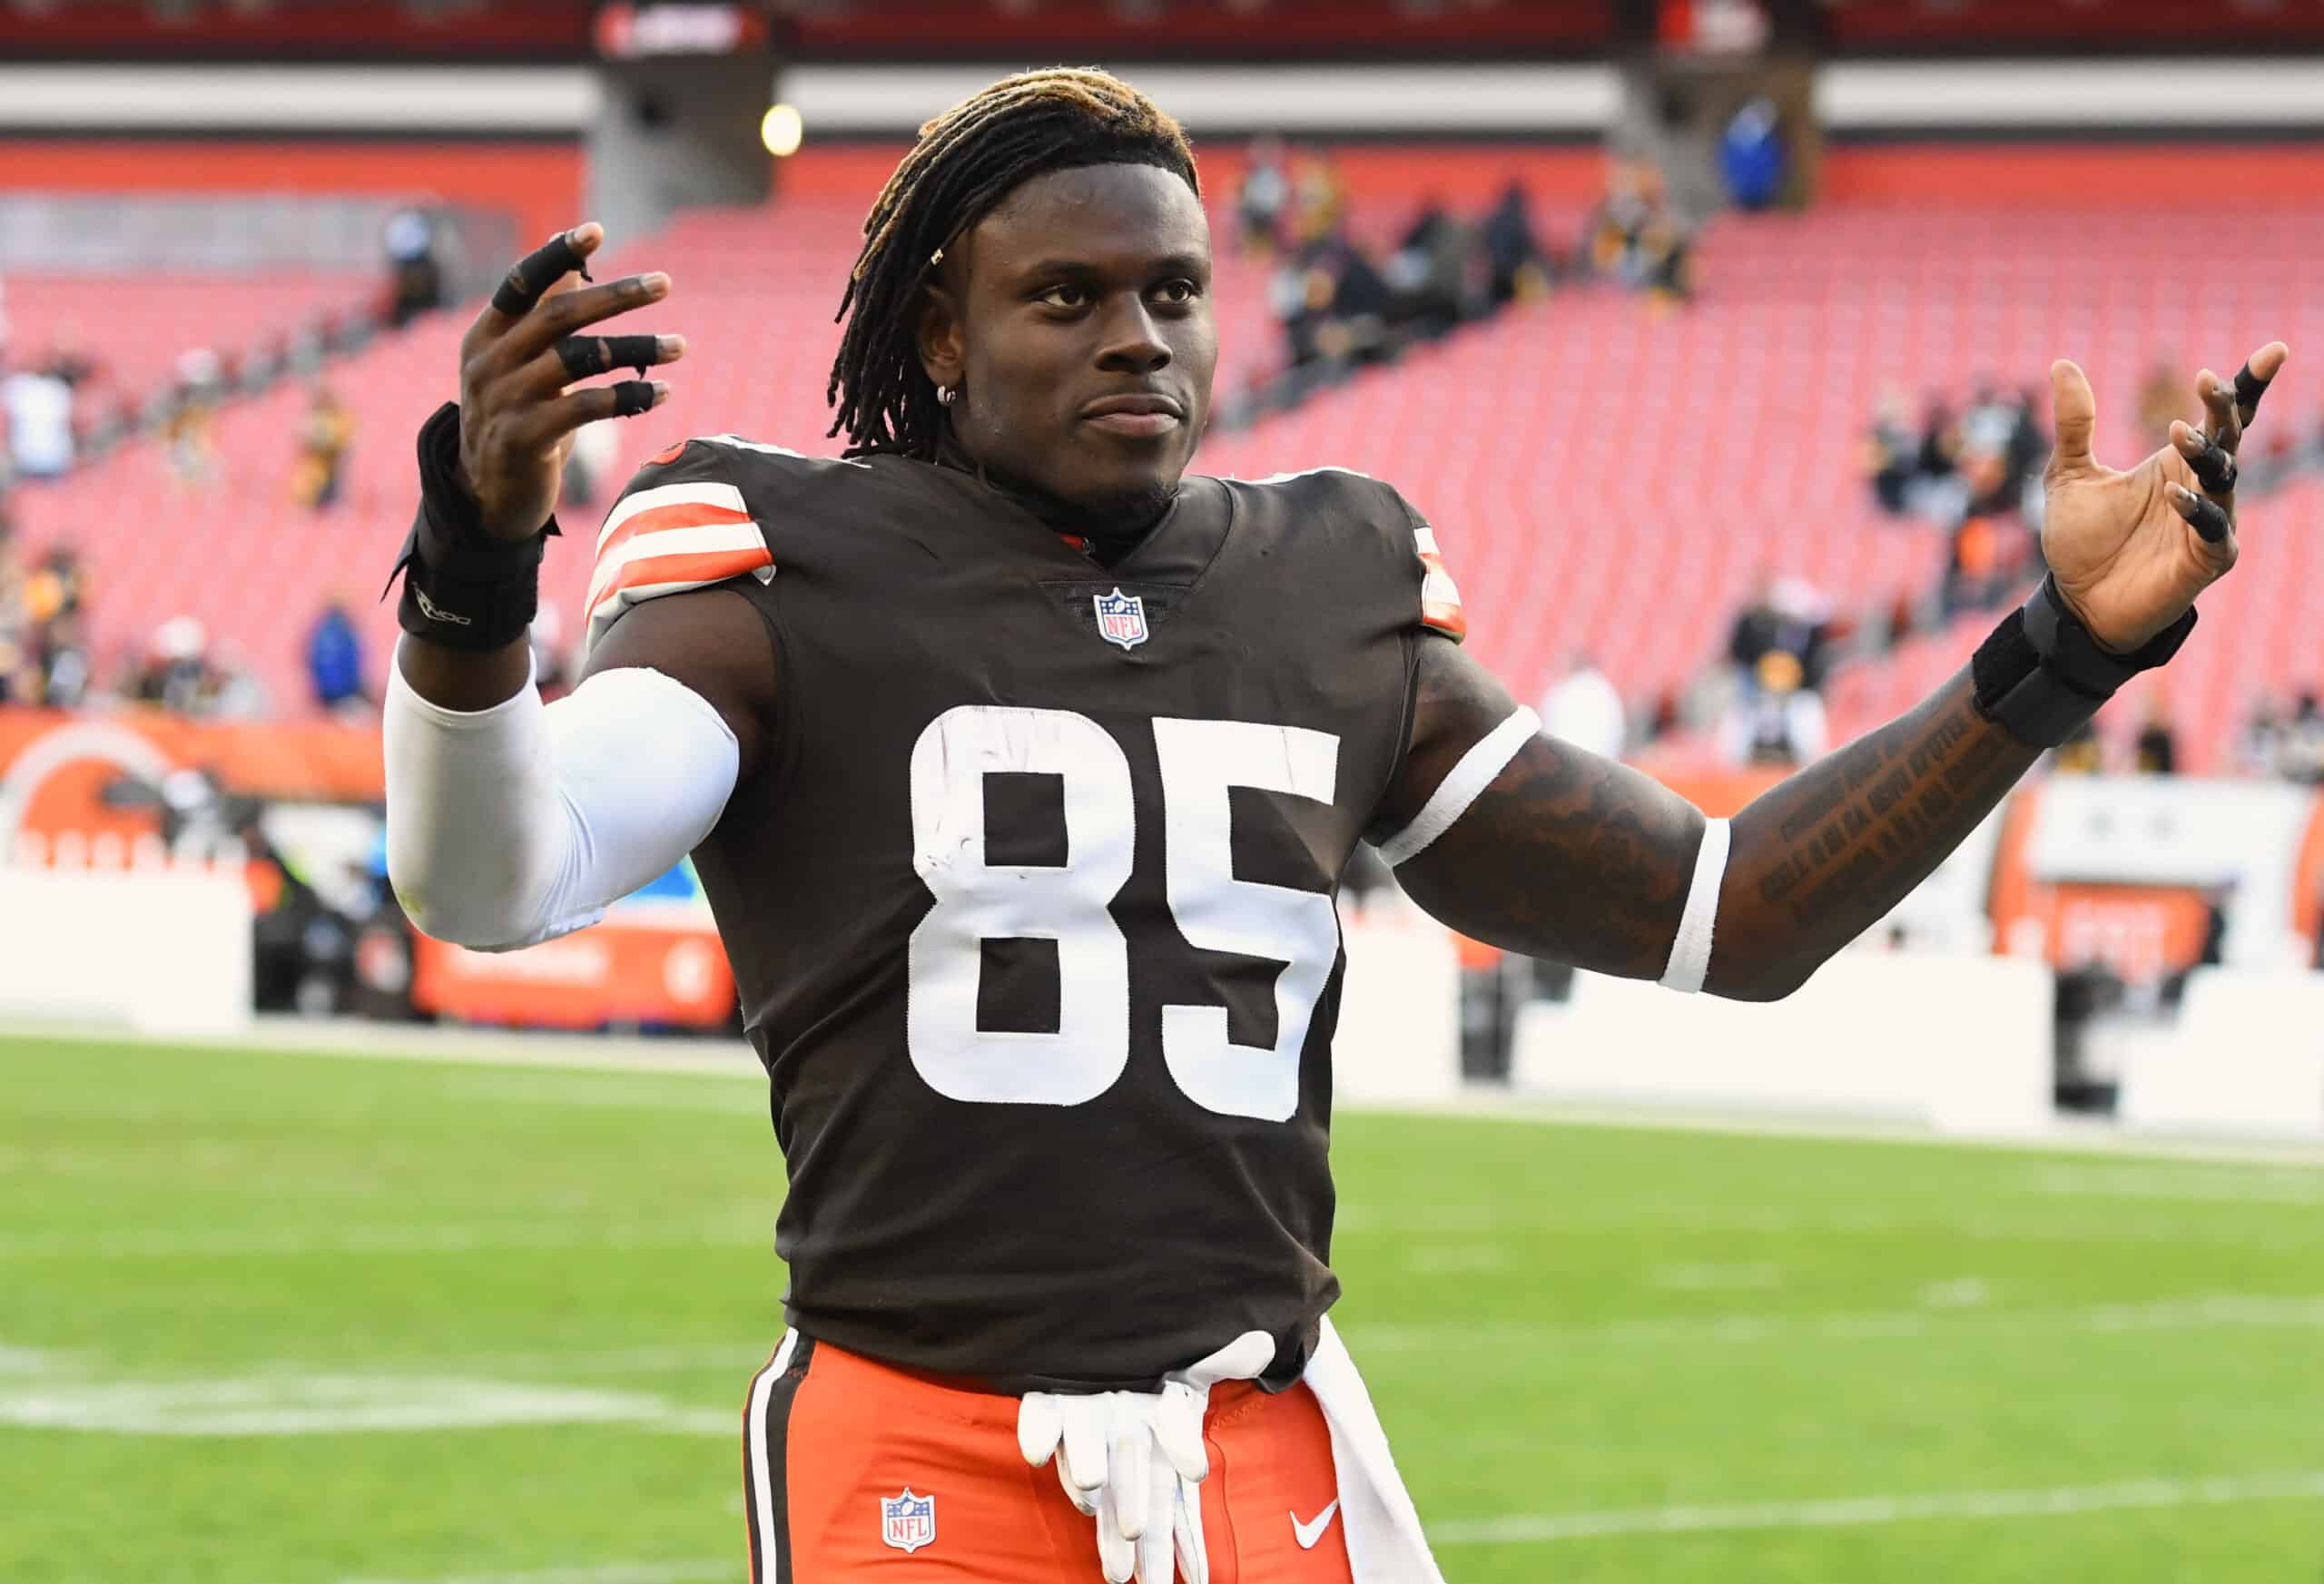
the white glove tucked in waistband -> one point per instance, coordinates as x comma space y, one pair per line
1135, 1462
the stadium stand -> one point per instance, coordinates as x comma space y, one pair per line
135, 329
1679, 455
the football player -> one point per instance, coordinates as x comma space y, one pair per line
1021, 766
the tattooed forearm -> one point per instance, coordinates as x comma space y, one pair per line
1820, 858
1570, 856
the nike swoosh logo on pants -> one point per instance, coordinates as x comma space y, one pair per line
1308, 1533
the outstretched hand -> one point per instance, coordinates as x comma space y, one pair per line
520, 370
2131, 551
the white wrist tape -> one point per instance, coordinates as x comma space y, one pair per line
512, 826
1690, 953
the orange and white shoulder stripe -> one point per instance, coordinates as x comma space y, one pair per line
1439, 596
669, 539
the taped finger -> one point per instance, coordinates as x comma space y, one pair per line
632, 396
536, 272
2206, 516
2214, 469
584, 356
2249, 388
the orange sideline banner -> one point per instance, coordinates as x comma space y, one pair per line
55, 766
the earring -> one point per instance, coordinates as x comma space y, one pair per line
946, 395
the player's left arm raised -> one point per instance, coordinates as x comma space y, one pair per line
1565, 855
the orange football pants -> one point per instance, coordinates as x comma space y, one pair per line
855, 1471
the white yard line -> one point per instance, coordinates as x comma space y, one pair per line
1850, 1511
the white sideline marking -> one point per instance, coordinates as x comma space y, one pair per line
2221, 1310
610, 1573
1852, 1510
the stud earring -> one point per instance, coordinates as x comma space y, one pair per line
946, 395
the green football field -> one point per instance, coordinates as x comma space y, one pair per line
283, 1319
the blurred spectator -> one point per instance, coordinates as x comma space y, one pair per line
1978, 576
1786, 615
2157, 751
1778, 720
2300, 756
1517, 268
188, 438
323, 440
37, 408
1432, 274
2262, 738
177, 674
416, 275
335, 658
1752, 159
190, 422
1265, 195
1634, 237
1891, 453
1583, 708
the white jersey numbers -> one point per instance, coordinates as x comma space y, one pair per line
979, 902
1217, 912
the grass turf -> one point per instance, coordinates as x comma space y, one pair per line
1604, 1355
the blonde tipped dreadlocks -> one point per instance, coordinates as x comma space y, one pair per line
966, 162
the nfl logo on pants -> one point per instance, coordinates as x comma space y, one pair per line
908, 1521
1121, 617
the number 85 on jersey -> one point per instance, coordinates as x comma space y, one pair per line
978, 901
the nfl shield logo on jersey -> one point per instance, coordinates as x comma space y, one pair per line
1121, 618
908, 1521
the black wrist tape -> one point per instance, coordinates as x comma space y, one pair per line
2041, 675
462, 587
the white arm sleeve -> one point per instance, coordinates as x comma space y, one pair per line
512, 826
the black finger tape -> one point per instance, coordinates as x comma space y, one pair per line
638, 352
2215, 470
536, 272
632, 396
583, 356
2249, 388
2208, 519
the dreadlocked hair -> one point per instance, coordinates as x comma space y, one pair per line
964, 163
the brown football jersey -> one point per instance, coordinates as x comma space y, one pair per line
1031, 902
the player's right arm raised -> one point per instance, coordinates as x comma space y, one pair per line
1530, 843
510, 821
